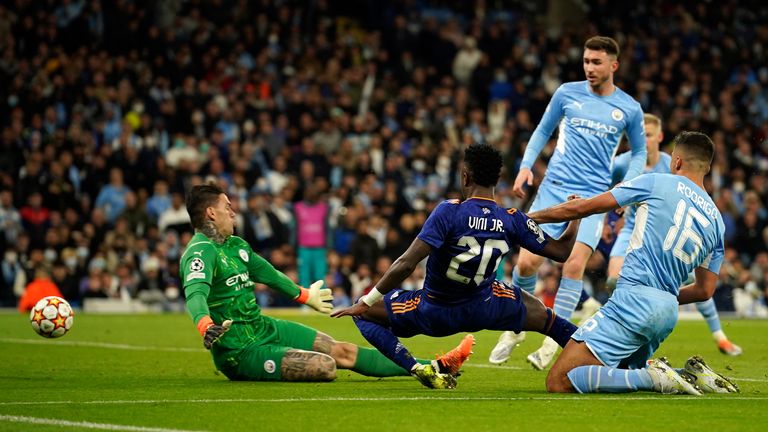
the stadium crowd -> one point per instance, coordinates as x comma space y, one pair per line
335, 131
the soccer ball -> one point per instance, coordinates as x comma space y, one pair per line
52, 317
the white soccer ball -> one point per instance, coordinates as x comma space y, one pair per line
52, 317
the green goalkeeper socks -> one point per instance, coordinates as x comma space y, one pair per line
370, 362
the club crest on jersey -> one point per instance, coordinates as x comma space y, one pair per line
536, 230
269, 366
244, 255
617, 115
196, 265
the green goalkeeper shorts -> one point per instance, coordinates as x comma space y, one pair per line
262, 360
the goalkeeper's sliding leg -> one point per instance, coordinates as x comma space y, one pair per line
294, 352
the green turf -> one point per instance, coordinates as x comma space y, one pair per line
171, 384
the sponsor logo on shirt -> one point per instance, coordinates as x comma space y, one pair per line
195, 275
242, 280
592, 127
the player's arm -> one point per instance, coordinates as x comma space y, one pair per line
706, 276
560, 249
636, 134
576, 209
393, 277
432, 235
261, 271
701, 289
197, 275
527, 233
538, 140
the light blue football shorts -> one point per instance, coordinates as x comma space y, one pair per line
627, 330
549, 194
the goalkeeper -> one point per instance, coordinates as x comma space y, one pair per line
219, 271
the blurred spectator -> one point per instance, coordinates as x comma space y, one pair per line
41, 286
111, 198
10, 219
12, 278
159, 202
35, 219
311, 238
105, 100
176, 216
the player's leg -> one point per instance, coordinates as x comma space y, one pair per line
299, 365
708, 310
376, 326
280, 363
523, 277
622, 334
544, 320
571, 283
524, 274
365, 361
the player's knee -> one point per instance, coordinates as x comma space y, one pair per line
326, 368
328, 373
344, 354
558, 383
527, 265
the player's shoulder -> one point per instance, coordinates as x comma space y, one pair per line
237, 240
627, 100
572, 87
199, 244
448, 205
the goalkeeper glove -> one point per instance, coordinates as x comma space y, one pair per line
316, 297
211, 332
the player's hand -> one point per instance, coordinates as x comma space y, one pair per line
355, 310
524, 177
317, 297
214, 332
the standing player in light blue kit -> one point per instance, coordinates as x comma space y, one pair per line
678, 229
591, 117
658, 161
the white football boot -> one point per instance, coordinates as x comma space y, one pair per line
503, 349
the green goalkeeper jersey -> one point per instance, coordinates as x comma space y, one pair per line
219, 280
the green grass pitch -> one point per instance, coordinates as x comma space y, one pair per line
150, 373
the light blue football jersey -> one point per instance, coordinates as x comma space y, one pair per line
677, 229
620, 167
590, 129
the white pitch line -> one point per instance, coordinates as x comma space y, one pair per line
83, 424
200, 350
490, 366
99, 345
379, 399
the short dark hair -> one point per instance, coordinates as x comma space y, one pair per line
696, 146
200, 198
483, 162
603, 43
